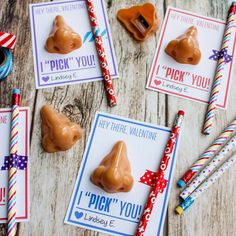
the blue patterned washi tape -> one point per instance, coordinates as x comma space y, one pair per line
5, 62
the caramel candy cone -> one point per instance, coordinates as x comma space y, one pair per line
62, 39
114, 173
185, 49
58, 132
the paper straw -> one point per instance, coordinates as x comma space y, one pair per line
208, 154
101, 54
219, 71
227, 150
161, 183
205, 185
11, 205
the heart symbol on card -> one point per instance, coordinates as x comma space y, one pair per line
45, 78
78, 215
157, 82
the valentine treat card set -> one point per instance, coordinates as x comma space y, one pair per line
190, 79
135, 147
62, 60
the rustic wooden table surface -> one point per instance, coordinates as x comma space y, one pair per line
53, 175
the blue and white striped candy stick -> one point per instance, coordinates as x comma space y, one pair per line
205, 185
208, 154
225, 152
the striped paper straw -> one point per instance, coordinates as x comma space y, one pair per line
101, 55
11, 205
227, 150
208, 154
206, 184
219, 71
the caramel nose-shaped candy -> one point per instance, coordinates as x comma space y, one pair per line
62, 39
140, 21
114, 173
58, 132
185, 48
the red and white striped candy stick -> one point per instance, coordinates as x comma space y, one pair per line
160, 184
7, 40
11, 204
101, 55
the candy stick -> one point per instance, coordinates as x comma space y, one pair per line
219, 71
208, 154
101, 54
205, 185
7, 40
227, 150
11, 206
161, 182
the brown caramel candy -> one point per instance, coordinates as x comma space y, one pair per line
140, 21
185, 49
114, 172
58, 132
62, 39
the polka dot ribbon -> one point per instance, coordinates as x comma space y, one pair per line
222, 54
151, 178
19, 162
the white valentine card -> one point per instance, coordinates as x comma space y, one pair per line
22, 180
191, 81
81, 65
119, 213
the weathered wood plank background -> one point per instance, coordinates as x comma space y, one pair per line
53, 175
